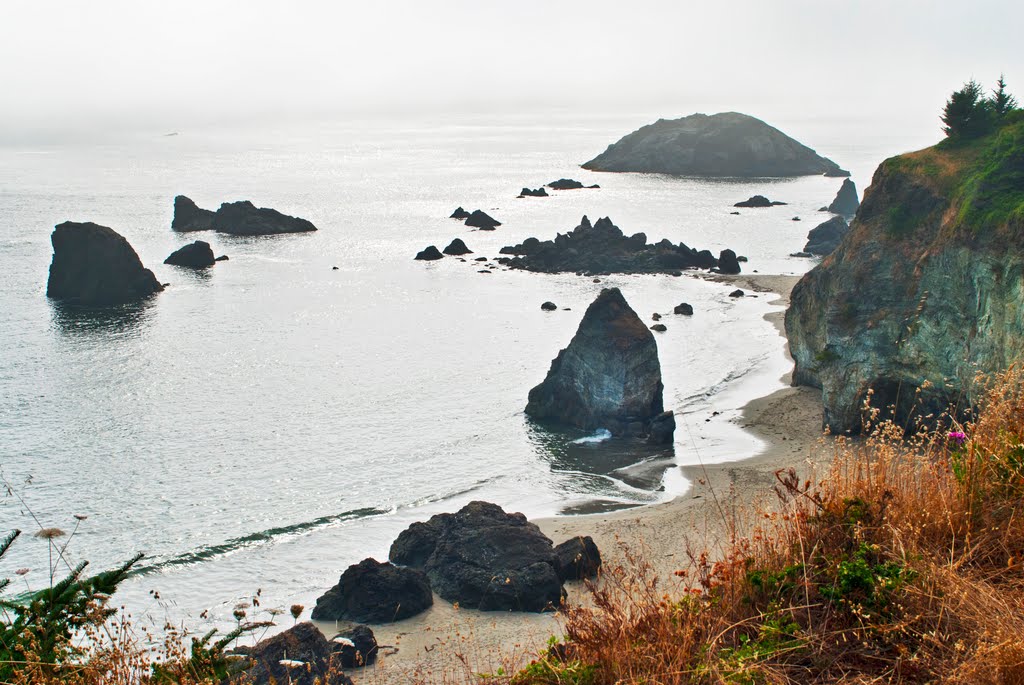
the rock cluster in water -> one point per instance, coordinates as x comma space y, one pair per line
235, 218
609, 376
602, 247
726, 144
94, 265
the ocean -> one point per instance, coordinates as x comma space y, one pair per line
267, 422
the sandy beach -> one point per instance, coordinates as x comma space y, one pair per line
445, 644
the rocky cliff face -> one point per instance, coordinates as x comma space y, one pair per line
726, 144
925, 291
608, 377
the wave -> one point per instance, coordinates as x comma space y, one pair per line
263, 537
600, 435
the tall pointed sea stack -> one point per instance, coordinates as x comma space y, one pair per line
608, 377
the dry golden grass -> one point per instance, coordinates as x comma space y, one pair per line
902, 564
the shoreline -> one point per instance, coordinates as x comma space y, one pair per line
446, 642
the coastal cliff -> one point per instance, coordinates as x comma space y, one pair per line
925, 291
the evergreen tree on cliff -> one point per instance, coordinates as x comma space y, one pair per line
967, 114
1002, 102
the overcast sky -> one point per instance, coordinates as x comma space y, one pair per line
105, 63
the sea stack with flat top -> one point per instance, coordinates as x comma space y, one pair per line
608, 377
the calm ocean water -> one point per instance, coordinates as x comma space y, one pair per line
270, 421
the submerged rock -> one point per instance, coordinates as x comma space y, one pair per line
825, 237
481, 220
197, 255
846, 202
375, 592
603, 248
300, 655
429, 253
578, 558
608, 377
726, 144
758, 201
457, 247
483, 558
95, 265
189, 217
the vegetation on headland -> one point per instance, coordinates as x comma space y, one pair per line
903, 563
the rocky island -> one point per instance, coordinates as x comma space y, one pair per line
235, 218
729, 144
925, 290
602, 247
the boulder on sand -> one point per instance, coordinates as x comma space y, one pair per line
357, 647
578, 558
189, 217
457, 247
607, 377
480, 219
727, 262
300, 655
375, 592
197, 255
94, 265
483, 558
846, 202
429, 254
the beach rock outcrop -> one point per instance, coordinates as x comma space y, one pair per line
429, 253
726, 144
825, 237
539, 192
578, 558
197, 255
846, 202
189, 217
609, 375
375, 592
924, 292
602, 247
483, 221
727, 262
483, 558
94, 265
459, 213
456, 247
300, 655
356, 647
758, 201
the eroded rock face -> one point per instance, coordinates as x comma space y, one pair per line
189, 217
375, 592
602, 247
846, 202
300, 655
726, 144
197, 255
94, 265
825, 237
484, 558
925, 291
608, 377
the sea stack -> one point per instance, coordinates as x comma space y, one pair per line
94, 265
190, 217
608, 377
846, 202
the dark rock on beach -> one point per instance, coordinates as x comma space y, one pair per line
846, 202
356, 647
480, 219
375, 592
825, 237
758, 201
683, 308
578, 558
189, 217
94, 265
603, 248
429, 254
483, 558
539, 192
300, 655
197, 255
727, 262
662, 429
737, 293
457, 247
608, 377
726, 144
459, 213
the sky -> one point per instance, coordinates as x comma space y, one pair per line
114, 64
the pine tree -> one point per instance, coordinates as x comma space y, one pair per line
1001, 101
967, 114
